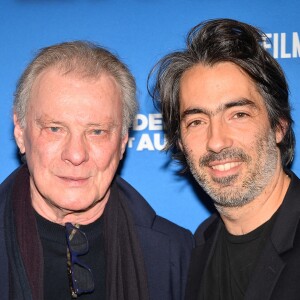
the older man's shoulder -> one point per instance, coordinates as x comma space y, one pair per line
145, 216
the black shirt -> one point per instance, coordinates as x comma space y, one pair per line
229, 271
53, 238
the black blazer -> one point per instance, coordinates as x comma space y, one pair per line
277, 273
166, 247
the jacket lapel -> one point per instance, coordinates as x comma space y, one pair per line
201, 255
267, 272
271, 261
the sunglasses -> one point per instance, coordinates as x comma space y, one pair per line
80, 276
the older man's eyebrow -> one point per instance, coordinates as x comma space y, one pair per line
43, 121
103, 123
221, 107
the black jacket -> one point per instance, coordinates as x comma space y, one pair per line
277, 273
166, 247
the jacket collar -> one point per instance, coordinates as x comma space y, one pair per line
142, 213
285, 227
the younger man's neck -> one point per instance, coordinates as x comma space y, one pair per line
242, 220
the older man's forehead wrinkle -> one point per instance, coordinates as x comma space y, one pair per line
43, 120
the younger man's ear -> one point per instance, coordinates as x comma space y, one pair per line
281, 130
19, 134
179, 144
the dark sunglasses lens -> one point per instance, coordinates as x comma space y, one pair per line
77, 241
82, 279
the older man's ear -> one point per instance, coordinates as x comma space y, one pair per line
19, 135
125, 138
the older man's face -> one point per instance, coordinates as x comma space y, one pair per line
72, 139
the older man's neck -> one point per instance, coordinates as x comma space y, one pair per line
61, 216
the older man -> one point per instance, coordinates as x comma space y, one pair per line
69, 226
226, 111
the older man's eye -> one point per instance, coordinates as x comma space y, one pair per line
97, 131
54, 129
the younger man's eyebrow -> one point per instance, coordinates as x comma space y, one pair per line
241, 102
194, 111
221, 107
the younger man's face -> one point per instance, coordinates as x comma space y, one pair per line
226, 134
